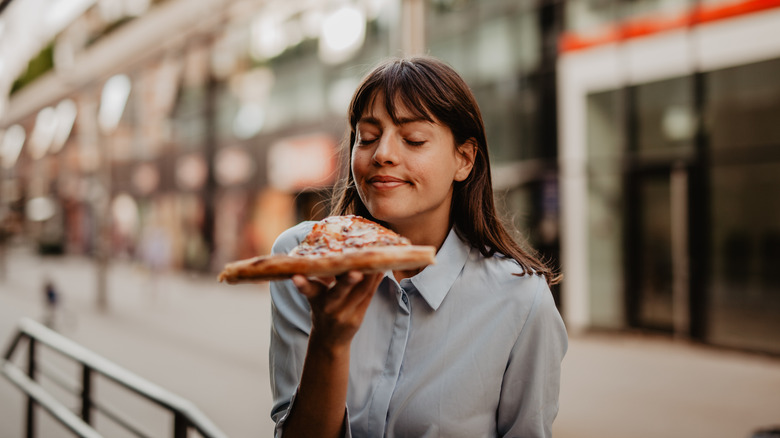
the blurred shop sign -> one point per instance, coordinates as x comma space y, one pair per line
124, 210
52, 128
112, 102
233, 166
11, 145
65, 113
299, 163
40, 209
191, 172
146, 178
43, 134
343, 33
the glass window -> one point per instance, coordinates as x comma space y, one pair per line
655, 8
306, 91
486, 41
605, 206
509, 120
743, 106
590, 16
742, 113
665, 117
227, 106
298, 91
744, 306
189, 129
494, 45
593, 17
494, 53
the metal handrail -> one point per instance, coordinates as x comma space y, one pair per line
186, 414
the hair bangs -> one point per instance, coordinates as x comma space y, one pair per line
403, 95
400, 85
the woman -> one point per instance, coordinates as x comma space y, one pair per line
468, 347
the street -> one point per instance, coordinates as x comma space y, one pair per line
208, 342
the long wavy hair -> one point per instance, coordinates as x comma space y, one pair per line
433, 91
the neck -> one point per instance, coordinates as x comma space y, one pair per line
420, 235
400, 275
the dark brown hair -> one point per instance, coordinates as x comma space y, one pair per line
433, 91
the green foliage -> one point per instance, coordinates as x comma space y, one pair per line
37, 67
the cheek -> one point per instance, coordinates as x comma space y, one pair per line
359, 164
435, 169
355, 158
355, 163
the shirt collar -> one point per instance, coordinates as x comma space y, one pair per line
435, 280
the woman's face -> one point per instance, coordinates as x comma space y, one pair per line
404, 173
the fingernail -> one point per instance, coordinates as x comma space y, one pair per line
355, 277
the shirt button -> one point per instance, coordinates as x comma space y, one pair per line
405, 299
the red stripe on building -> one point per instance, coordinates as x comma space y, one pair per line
650, 25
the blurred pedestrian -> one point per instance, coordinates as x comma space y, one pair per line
156, 255
470, 346
50, 304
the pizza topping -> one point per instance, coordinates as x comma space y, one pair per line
338, 234
334, 246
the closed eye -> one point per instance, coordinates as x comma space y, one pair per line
414, 143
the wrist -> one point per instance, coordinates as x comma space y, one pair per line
326, 348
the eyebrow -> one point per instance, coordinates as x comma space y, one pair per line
401, 121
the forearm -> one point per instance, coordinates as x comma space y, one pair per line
320, 403
337, 311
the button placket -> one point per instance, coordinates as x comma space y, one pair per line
406, 287
403, 303
384, 390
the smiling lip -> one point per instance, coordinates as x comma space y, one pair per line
385, 182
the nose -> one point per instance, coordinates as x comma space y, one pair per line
386, 152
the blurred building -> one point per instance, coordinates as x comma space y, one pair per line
670, 168
642, 130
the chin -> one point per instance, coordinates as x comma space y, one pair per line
385, 214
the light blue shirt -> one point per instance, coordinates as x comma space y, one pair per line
462, 349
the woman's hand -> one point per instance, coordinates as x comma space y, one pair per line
338, 306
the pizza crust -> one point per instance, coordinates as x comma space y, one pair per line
368, 259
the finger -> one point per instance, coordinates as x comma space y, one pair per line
364, 291
328, 282
345, 283
310, 289
372, 286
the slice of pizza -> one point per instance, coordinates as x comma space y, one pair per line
335, 245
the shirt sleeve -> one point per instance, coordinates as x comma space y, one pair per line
290, 328
529, 392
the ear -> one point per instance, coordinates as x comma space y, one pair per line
466, 154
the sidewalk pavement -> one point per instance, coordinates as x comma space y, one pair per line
208, 343
643, 387
204, 341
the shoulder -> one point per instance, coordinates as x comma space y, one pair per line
504, 277
519, 302
291, 237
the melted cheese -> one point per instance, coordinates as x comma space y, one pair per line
338, 234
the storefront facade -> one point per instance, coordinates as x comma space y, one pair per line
670, 170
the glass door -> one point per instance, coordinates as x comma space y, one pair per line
657, 260
661, 150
